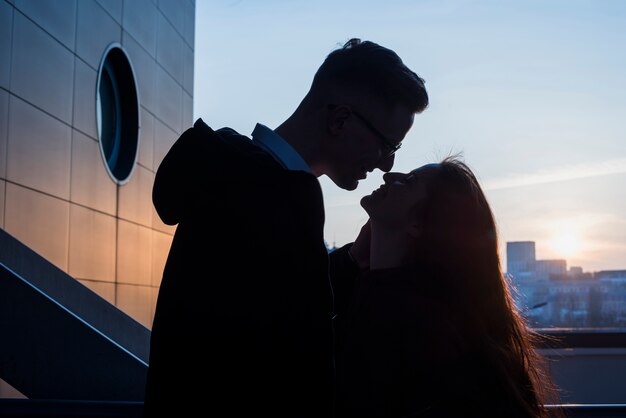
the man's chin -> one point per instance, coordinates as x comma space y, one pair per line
346, 184
350, 186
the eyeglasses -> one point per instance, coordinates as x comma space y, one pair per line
389, 146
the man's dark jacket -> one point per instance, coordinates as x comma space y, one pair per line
243, 323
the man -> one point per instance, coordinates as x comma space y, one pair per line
244, 319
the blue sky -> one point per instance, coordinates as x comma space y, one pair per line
533, 93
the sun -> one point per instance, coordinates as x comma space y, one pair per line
566, 243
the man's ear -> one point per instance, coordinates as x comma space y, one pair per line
337, 118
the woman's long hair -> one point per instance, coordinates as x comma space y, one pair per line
460, 237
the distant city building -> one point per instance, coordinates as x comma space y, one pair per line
611, 274
550, 295
545, 269
520, 257
575, 271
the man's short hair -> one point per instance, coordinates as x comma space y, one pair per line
372, 70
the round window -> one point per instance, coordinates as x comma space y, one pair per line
117, 113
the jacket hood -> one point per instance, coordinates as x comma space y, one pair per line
186, 167
201, 161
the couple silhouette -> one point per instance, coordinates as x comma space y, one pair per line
255, 318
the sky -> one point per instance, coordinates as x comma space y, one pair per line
531, 93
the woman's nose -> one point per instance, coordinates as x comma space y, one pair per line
391, 177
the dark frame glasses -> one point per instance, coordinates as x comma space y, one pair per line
390, 146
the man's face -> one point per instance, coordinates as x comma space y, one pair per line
365, 138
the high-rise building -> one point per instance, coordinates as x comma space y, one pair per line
520, 257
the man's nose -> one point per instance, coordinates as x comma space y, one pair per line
386, 163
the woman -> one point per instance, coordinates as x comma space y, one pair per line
431, 329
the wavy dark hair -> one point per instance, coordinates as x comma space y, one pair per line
460, 238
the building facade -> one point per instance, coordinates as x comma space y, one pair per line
93, 93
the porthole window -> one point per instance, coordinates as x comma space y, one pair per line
117, 113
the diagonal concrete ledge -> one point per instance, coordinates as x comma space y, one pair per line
72, 294
59, 339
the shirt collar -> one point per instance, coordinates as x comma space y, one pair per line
278, 148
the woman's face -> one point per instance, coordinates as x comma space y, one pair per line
393, 204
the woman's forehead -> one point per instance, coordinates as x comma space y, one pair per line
428, 168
